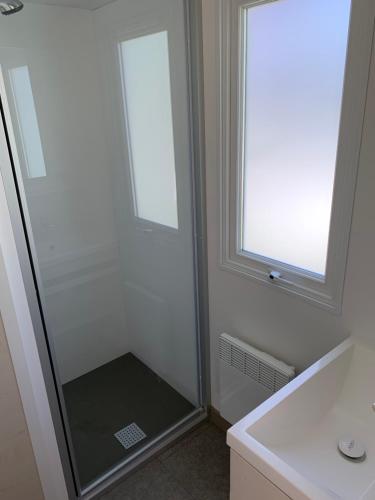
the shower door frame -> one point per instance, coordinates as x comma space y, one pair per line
16, 201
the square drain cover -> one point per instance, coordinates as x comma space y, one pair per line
130, 435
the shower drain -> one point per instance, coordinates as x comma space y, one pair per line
130, 435
352, 449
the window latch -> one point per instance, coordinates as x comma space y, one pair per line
275, 277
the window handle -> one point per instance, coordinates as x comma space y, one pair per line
276, 277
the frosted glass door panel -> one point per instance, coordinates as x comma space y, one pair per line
148, 110
295, 54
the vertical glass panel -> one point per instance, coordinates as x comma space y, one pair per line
295, 54
147, 94
27, 122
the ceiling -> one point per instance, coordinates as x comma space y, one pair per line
82, 4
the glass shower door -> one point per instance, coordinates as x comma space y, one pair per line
100, 133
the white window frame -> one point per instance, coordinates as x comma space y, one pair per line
326, 291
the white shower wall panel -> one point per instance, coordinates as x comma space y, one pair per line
157, 262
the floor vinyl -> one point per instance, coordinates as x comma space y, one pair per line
196, 468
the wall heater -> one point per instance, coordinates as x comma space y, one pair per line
247, 377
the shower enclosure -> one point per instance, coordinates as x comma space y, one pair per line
100, 108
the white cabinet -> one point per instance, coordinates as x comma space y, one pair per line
246, 483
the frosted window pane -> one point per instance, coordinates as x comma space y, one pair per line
28, 122
147, 93
295, 61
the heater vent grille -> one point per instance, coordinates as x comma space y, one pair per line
264, 369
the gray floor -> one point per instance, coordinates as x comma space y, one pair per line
113, 396
196, 468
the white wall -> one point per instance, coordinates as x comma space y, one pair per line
71, 209
18, 474
359, 298
283, 325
